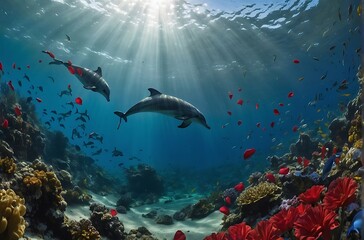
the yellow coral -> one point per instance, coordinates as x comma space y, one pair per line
254, 194
83, 230
12, 210
358, 144
8, 165
354, 133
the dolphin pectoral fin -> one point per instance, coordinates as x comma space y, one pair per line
181, 118
185, 123
92, 88
98, 71
153, 92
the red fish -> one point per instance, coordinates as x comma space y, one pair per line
323, 152
230, 95
270, 177
49, 53
78, 100
5, 123
258, 124
28, 66
179, 235
239, 122
248, 153
334, 150
295, 128
299, 160
229, 113
14, 65
71, 69
79, 71
1, 68
69, 86
290, 94
228, 200
306, 162
281, 104
239, 187
17, 110
225, 210
276, 112
256, 106
240, 102
113, 212
10, 84
284, 170
296, 61
272, 124
38, 100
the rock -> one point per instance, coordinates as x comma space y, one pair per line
5, 149
164, 219
179, 216
339, 128
121, 209
151, 214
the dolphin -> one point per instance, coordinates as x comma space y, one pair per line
168, 105
91, 80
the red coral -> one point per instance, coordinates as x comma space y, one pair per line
217, 236
315, 223
264, 231
312, 195
284, 219
341, 193
239, 231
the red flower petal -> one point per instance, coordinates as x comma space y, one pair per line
284, 219
312, 195
341, 193
239, 231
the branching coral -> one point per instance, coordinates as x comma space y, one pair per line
8, 165
12, 210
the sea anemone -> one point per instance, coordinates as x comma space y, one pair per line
265, 230
284, 219
341, 193
239, 231
312, 195
316, 222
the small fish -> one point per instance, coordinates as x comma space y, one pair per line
272, 124
50, 77
98, 152
68, 38
14, 65
78, 101
20, 83
179, 235
316, 58
113, 212
117, 153
225, 210
296, 61
276, 112
339, 14
40, 88
54, 112
248, 153
346, 94
332, 47
301, 78
283, 171
230, 94
62, 125
295, 128
350, 9
290, 94
26, 77
240, 122
5, 124
323, 76
10, 84
256, 106
274, 58
81, 118
270, 177
258, 124
1, 68
39, 100
239, 187
17, 110
47, 123
240, 102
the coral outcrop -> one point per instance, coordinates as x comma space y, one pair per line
12, 210
8, 165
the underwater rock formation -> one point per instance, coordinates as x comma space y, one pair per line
56, 145
82, 230
144, 183
12, 210
106, 224
339, 131
304, 146
164, 219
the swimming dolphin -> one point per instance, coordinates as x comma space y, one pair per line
91, 80
168, 105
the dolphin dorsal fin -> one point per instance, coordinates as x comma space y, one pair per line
154, 92
98, 71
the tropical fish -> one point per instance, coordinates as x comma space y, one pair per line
239, 102
117, 153
113, 212
283, 170
78, 101
296, 61
248, 153
168, 105
356, 225
225, 210
179, 235
328, 165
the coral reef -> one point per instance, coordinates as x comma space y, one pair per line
76, 196
8, 165
82, 230
304, 146
106, 224
339, 131
12, 210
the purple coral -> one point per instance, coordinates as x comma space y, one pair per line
231, 193
287, 203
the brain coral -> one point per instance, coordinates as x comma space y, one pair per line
12, 210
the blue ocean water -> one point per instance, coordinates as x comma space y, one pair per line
198, 51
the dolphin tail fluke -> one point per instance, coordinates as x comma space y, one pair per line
121, 115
